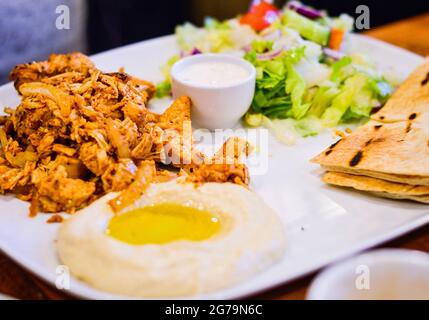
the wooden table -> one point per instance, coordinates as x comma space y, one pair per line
411, 34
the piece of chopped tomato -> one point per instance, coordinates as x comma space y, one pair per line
260, 16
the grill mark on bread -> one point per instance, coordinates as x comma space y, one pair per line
372, 141
412, 116
332, 146
378, 140
368, 142
408, 128
425, 80
356, 159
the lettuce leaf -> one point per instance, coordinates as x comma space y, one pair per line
307, 28
164, 88
338, 69
322, 100
279, 87
295, 86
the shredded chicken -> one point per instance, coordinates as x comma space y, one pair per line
225, 166
79, 133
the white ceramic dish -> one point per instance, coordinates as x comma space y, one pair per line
323, 224
5, 297
220, 106
388, 274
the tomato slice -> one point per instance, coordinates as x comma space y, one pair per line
260, 16
260, 8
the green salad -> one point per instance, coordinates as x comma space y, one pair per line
305, 80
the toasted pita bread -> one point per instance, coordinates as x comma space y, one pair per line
411, 100
393, 151
411, 180
378, 187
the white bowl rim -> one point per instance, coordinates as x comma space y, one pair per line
329, 275
213, 56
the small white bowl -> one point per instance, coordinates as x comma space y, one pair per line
215, 107
387, 274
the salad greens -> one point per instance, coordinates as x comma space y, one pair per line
305, 80
307, 28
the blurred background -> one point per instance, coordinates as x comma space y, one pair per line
28, 28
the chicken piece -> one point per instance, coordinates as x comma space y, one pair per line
122, 135
14, 179
65, 80
178, 148
119, 175
145, 174
63, 101
234, 173
62, 149
134, 85
225, 166
46, 143
56, 192
109, 93
74, 167
9, 178
30, 115
56, 218
13, 153
139, 114
232, 151
94, 158
146, 147
56, 64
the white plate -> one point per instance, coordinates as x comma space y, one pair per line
323, 224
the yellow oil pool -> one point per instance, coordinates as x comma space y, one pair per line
163, 223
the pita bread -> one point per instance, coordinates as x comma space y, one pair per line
410, 100
412, 180
378, 187
396, 151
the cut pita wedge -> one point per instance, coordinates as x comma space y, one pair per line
397, 152
410, 101
378, 187
396, 178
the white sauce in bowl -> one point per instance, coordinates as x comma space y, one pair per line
213, 73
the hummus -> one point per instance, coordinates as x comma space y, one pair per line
250, 239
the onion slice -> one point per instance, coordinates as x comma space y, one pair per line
333, 54
193, 52
304, 10
270, 54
